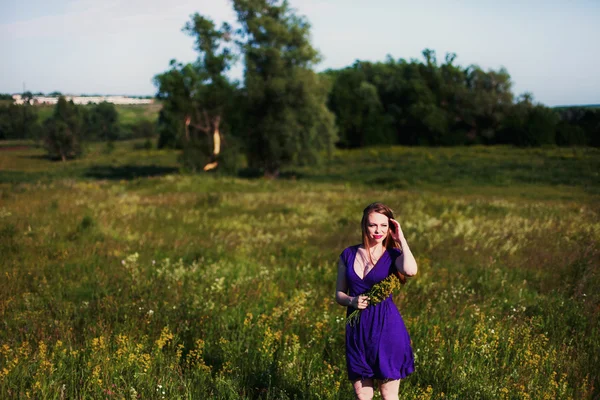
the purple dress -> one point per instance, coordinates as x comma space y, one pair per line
378, 346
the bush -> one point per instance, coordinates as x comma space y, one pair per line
19, 122
102, 122
63, 131
61, 141
143, 129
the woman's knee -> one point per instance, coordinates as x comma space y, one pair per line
389, 390
363, 389
364, 395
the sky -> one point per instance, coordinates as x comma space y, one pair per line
550, 48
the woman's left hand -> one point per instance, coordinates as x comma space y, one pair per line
397, 233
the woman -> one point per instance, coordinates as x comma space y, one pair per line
378, 346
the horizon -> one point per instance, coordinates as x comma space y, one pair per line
154, 97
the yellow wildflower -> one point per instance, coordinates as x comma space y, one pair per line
379, 292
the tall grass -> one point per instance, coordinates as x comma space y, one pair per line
208, 286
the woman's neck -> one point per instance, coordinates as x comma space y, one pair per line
375, 248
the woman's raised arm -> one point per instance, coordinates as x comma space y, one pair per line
406, 263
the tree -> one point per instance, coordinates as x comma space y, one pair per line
196, 96
358, 109
102, 122
530, 125
63, 131
170, 127
490, 101
570, 135
419, 102
578, 126
19, 122
590, 122
288, 121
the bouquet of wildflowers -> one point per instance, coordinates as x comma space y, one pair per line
379, 292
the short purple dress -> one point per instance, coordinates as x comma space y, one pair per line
378, 346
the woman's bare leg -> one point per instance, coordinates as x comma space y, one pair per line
389, 389
363, 389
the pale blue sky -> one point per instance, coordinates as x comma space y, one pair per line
550, 48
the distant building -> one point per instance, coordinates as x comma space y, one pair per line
39, 100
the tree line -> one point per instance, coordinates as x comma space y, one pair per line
283, 112
68, 126
444, 104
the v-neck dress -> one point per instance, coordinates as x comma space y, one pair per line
378, 346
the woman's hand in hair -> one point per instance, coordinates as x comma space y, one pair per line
397, 233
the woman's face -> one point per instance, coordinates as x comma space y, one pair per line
377, 228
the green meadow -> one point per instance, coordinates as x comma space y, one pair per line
129, 114
126, 278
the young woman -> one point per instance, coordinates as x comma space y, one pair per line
378, 346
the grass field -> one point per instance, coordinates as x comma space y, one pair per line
123, 278
128, 114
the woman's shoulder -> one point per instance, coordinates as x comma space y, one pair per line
349, 250
394, 251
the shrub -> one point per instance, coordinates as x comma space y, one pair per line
143, 129
63, 131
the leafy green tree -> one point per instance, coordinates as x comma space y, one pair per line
171, 129
422, 102
19, 122
63, 131
570, 135
590, 122
394, 80
197, 97
429, 119
360, 116
541, 127
529, 125
490, 100
288, 121
102, 122
5, 123
578, 126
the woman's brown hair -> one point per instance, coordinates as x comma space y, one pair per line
389, 242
